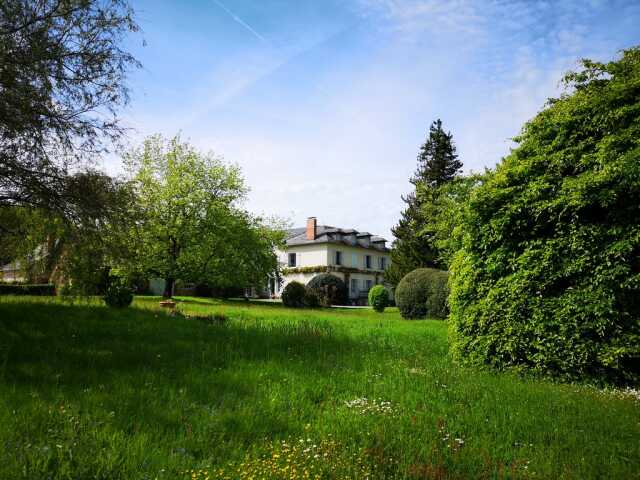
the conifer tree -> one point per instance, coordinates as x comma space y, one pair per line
438, 164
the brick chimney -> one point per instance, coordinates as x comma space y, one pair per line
311, 228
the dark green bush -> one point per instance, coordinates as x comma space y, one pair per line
423, 293
378, 298
311, 298
294, 294
118, 295
548, 277
331, 289
44, 289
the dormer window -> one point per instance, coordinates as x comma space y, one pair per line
292, 259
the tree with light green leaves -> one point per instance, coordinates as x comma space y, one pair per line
192, 225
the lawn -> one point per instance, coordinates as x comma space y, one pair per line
268, 392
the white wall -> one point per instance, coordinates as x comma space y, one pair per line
306, 255
348, 252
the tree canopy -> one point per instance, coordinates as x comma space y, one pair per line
192, 225
62, 81
414, 245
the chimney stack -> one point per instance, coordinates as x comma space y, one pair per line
311, 228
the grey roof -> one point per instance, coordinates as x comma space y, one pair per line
328, 234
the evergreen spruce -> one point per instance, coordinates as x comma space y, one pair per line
413, 247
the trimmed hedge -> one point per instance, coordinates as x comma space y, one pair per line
331, 289
548, 278
378, 298
294, 294
423, 293
42, 289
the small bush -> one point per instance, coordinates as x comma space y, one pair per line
423, 293
331, 289
44, 289
118, 295
378, 298
294, 294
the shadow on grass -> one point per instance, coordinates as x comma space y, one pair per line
81, 345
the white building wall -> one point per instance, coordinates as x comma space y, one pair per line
324, 255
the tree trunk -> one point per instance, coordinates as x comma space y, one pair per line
168, 287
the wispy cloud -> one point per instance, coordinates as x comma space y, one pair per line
238, 20
326, 120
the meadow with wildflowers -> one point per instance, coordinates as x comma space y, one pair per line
253, 391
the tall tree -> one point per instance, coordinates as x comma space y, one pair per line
414, 246
438, 161
62, 81
74, 252
192, 225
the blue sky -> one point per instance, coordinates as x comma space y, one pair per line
324, 104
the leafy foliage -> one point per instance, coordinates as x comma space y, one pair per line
192, 225
414, 246
61, 83
312, 298
378, 298
548, 277
118, 294
331, 289
423, 294
294, 294
444, 207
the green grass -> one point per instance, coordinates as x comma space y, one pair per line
88, 392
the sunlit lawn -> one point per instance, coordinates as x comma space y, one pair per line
88, 392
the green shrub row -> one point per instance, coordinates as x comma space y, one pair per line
42, 289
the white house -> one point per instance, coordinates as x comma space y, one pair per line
358, 258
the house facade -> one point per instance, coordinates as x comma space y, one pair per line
358, 258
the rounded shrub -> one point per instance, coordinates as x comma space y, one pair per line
378, 298
331, 289
423, 293
294, 294
118, 295
548, 277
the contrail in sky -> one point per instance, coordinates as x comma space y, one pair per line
240, 21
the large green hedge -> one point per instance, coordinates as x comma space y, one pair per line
423, 293
548, 277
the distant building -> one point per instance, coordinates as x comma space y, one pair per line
12, 272
358, 258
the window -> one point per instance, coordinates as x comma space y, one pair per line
354, 287
292, 259
367, 261
354, 259
382, 263
367, 284
338, 258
